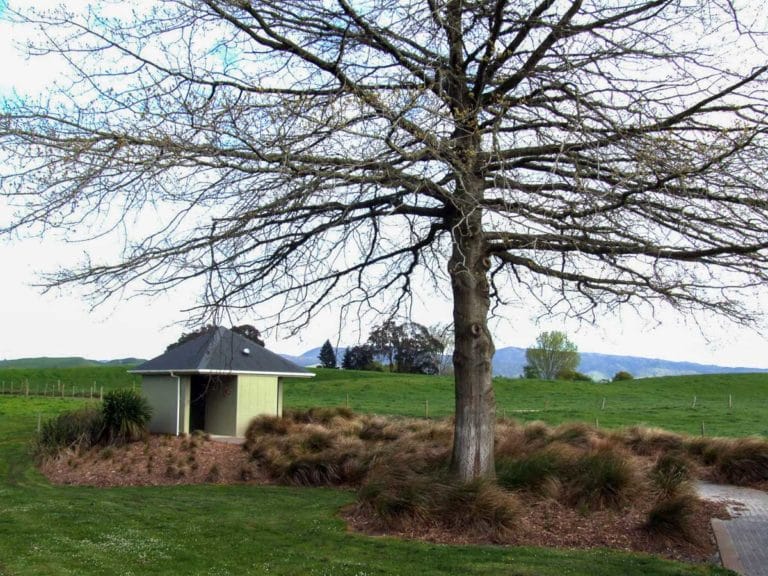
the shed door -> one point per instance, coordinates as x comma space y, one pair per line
198, 397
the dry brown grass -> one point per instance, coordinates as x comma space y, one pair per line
646, 441
743, 462
400, 467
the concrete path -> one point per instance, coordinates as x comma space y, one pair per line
227, 439
742, 540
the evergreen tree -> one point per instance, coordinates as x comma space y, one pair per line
327, 355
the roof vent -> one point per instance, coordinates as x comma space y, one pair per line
246, 351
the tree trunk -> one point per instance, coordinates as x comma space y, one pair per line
473, 351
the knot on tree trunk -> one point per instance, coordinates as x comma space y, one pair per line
476, 329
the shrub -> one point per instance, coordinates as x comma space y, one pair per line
622, 376
126, 415
531, 372
573, 376
671, 516
79, 429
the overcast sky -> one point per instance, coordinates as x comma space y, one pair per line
63, 324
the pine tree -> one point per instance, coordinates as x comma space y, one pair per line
327, 355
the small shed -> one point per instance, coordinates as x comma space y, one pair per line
217, 382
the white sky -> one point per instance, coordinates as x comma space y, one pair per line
62, 324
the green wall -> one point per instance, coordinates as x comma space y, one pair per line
161, 392
257, 395
221, 406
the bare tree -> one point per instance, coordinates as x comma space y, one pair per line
582, 153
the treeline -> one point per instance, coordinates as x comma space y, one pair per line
408, 347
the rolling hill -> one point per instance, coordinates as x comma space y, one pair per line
65, 362
509, 361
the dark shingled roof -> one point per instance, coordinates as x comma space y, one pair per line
221, 350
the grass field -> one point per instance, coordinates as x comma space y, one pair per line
727, 405
78, 380
217, 530
663, 402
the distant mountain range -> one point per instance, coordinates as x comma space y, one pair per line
509, 362
66, 362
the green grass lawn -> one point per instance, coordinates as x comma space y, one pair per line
235, 530
663, 402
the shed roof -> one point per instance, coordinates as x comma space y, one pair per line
221, 351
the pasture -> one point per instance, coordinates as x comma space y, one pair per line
727, 405
248, 529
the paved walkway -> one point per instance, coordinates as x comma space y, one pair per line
228, 439
742, 540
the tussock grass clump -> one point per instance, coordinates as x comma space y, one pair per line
400, 467
330, 446
707, 451
650, 441
534, 472
575, 434
78, 429
672, 516
319, 415
404, 494
602, 478
511, 441
671, 474
743, 462
378, 429
537, 432
268, 425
